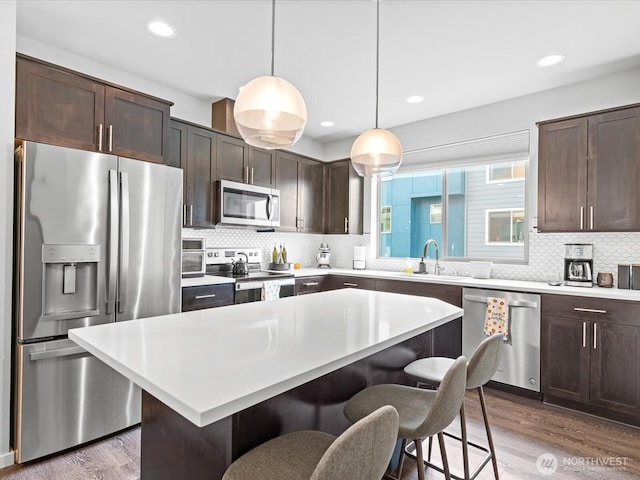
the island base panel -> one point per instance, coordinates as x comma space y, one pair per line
173, 447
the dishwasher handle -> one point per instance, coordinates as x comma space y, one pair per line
514, 303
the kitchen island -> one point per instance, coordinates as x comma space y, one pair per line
217, 382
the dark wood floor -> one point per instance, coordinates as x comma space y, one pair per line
523, 430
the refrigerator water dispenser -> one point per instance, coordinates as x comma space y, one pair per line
70, 281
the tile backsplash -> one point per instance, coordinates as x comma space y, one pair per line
546, 251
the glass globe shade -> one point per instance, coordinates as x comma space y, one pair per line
376, 153
270, 113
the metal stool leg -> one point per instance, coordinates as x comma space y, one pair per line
465, 445
445, 461
488, 429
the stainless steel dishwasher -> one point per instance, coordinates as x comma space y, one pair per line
520, 358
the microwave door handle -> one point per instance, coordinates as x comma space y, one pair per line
269, 200
124, 242
113, 240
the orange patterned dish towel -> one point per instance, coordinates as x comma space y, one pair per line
497, 320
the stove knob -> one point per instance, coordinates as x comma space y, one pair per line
216, 254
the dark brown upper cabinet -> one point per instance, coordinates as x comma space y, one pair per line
243, 163
589, 172
61, 107
194, 149
301, 184
344, 198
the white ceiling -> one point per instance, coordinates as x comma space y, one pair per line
457, 54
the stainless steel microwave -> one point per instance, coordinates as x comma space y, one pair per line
243, 204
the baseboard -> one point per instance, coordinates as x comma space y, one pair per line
7, 459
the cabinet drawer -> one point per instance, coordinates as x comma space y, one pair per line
207, 296
342, 281
305, 285
589, 308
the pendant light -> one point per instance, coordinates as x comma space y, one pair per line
376, 152
269, 111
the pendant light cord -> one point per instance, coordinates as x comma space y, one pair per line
377, 54
273, 34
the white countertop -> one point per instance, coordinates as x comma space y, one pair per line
209, 364
489, 283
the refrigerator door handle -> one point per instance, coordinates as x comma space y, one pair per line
59, 352
124, 241
113, 240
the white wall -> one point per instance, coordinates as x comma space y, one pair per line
7, 80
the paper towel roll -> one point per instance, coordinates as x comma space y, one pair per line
359, 256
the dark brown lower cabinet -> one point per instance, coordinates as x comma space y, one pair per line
312, 284
207, 296
590, 358
335, 282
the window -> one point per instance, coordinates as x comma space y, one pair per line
505, 227
505, 172
385, 219
435, 213
472, 202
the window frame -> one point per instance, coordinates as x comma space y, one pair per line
505, 180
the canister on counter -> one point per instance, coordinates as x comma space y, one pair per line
624, 276
635, 276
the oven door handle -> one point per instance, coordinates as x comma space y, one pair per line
240, 286
269, 200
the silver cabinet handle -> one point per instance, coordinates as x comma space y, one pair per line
199, 297
110, 132
346, 225
595, 336
591, 217
125, 220
251, 181
246, 174
312, 284
191, 215
100, 128
584, 334
347, 284
113, 240
581, 218
588, 310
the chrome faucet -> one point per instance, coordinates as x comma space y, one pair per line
422, 267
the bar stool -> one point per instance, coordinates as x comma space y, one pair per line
362, 452
482, 366
422, 413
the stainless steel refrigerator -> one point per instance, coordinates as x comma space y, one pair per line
98, 240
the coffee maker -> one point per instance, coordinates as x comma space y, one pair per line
578, 264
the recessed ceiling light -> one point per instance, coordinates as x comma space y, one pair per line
415, 99
161, 29
550, 60
327, 123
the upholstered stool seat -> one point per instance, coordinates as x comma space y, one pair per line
362, 452
482, 366
422, 413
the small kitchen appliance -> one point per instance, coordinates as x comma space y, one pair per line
323, 256
578, 264
193, 257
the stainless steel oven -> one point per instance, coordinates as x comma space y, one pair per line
254, 284
243, 204
258, 290
193, 257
